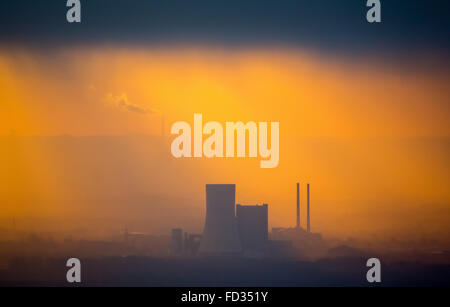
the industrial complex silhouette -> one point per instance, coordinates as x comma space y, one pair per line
242, 230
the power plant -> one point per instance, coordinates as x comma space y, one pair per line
232, 229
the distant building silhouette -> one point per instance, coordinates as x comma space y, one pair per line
176, 246
191, 243
220, 234
253, 226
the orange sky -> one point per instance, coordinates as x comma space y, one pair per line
310, 95
372, 139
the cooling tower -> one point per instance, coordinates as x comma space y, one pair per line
220, 235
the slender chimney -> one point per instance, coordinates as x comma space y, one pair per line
308, 221
298, 205
162, 127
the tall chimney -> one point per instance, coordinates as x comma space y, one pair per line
163, 120
298, 205
308, 225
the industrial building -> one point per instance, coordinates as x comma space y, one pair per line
253, 226
308, 245
176, 246
191, 243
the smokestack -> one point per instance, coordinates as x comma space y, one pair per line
308, 225
162, 127
298, 205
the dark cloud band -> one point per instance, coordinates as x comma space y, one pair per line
325, 24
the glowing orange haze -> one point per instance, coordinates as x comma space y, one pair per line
371, 140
